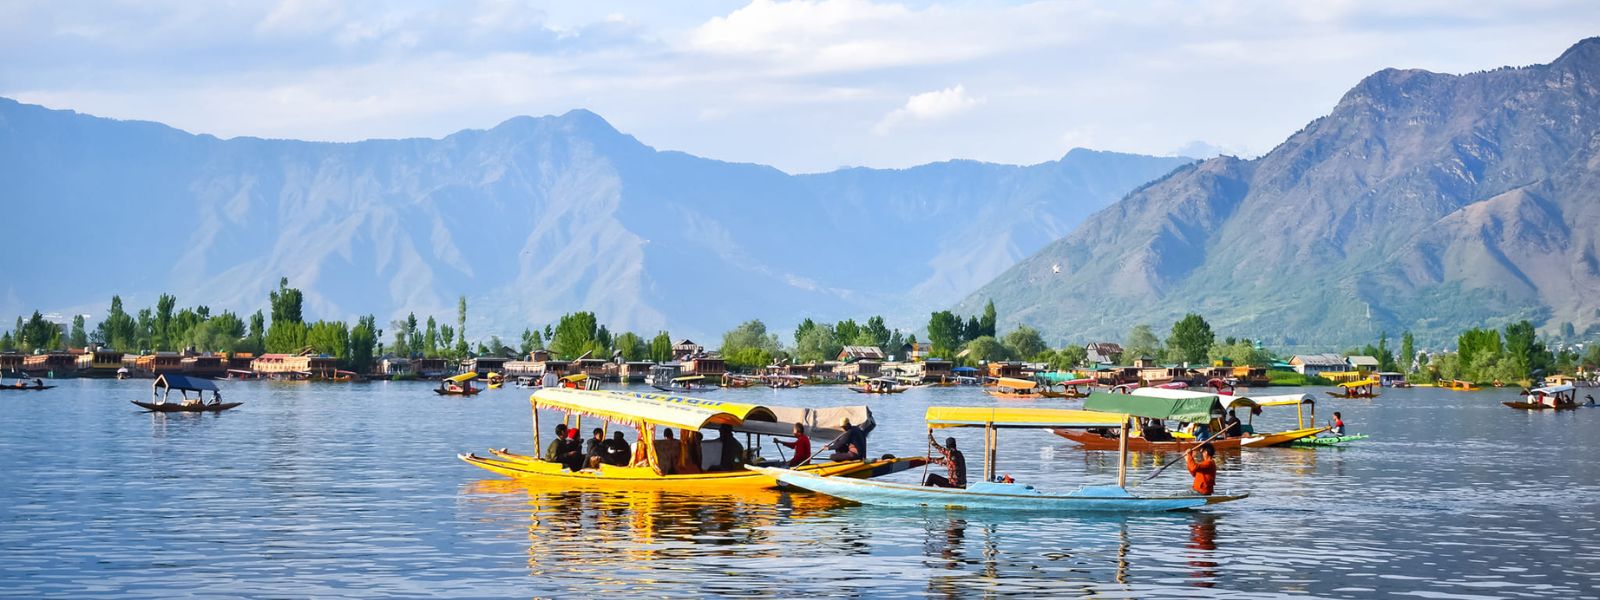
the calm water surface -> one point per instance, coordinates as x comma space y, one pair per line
354, 491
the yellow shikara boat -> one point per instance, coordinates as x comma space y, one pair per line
645, 412
1457, 385
1357, 389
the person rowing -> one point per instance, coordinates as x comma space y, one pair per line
953, 460
1203, 469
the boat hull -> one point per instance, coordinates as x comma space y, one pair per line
177, 407
1095, 441
530, 468
1318, 442
471, 392
987, 495
1539, 406
31, 388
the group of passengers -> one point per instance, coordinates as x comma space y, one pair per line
683, 454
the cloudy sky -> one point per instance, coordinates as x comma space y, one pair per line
807, 85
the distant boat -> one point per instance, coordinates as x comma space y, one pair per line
161, 395
21, 383
1556, 397
459, 385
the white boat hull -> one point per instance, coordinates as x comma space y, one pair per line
999, 496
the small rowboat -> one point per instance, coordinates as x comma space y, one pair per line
161, 391
1316, 442
28, 388
1555, 397
988, 494
459, 385
181, 407
1357, 389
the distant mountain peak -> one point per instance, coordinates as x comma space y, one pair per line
1585, 53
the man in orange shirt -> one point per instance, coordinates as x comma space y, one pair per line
1204, 469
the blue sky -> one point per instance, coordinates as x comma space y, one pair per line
804, 86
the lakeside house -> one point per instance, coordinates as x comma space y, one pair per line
99, 362
295, 365
849, 353
204, 365
430, 368
916, 351
686, 348
51, 364
1317, 364
393, 366
1103, 353
10, 361
707, 365
937, 369
1005, 368
484, 365
1362, 363
635, 370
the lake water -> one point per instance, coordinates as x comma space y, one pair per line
355, 491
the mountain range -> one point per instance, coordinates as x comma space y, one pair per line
1423, 201
530, 219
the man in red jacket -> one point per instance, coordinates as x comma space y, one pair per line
1203, 469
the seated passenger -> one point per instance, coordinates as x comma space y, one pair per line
572, 451
851, 445
1156, 431
731, 455
689, 457
591, 448
552, 452
667, 453
615, 451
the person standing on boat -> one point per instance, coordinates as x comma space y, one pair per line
801, 446
552, 452
953, 460
1203, 469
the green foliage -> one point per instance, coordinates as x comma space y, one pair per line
287, 332
973, 330
1191, 339
1063, 359
747, 358
329, 337
986, 348
801, 329
401, 346
1024, 342
944, 333
1141, 342
461, 326
875, 333
1295, 379
574, 335
629, 344
749, 335
430, 338
37, 334
531, 341
660, 347
363, 344
163, 335
79, 338
118, 330
447, 341
846, 332
987, 323
1241, 352
818, 344
418, 346
1408, 352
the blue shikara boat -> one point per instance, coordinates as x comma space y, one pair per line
1003, 496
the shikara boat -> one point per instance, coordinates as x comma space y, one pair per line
646, 412
1305, 418
880, 386
1185, 407
1325, 440
987, 494
495, 381
1556, 397
1008, 388
20, 383
1457, 385
1365, 388
459, 385
687, 383
784, 382
161, 395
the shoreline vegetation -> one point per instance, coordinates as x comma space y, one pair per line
1515, 355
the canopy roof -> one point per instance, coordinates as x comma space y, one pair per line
642, 408
1285, 400
1362, 383
578, 377
1189, 410
1063, 377
965, 369
963, 416
463, 377
1554, 389
1228, 402
1017, 384
184, 382
689, 378
822, 424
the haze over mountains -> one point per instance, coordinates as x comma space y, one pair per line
1425, 201
530, 219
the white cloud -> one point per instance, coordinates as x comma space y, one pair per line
929, 106
804, 85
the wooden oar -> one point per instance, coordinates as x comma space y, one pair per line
830, 443
1185, 454
780, 450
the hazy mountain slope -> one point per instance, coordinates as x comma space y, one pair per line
1423, 201
530, 219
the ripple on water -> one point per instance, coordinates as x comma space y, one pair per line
354, 491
